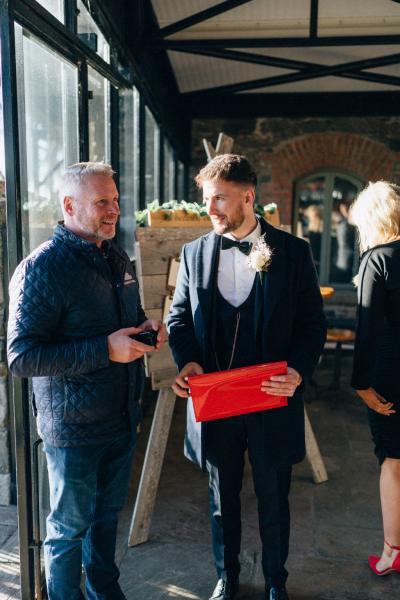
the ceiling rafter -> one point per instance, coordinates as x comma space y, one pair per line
201, 16
313, 18
287, 63
284, 42
350, 70
295, 104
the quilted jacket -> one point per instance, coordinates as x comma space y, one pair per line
65, 299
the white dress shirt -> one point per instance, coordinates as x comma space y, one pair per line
235, 276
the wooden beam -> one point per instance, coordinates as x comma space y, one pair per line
201, 16
151, 471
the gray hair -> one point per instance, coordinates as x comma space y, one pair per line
75, 176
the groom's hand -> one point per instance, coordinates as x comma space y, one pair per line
282, 385
180, 386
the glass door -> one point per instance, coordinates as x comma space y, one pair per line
321, 215
47, 92
99, 117
48, 124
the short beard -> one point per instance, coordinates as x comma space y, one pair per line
229, 226
97, 236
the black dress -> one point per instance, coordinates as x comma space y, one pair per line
377, 348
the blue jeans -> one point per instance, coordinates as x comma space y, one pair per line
88, 487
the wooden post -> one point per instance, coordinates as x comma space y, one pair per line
313, 454
156, 445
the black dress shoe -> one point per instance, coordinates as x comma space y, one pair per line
225, 589
276, 593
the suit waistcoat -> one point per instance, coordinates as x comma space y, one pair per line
242, 350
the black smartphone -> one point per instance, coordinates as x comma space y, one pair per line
146, 337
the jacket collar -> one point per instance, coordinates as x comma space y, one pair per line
68, 237
272, 280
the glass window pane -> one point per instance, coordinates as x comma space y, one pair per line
310, 224
181, 181
48, 89
152, 157
129, 149
90, 34
343, 254
99, 117
55, 7
2, 146
48, 125
169, 172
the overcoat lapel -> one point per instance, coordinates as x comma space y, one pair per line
267, 294
207, 268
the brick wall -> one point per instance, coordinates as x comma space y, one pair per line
285, 150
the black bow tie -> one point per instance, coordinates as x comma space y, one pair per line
244, 247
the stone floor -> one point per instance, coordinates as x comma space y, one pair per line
335, 525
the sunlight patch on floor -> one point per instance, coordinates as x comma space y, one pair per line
178, 592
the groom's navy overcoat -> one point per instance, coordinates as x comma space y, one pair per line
289, 325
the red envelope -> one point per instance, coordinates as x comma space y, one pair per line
234, 392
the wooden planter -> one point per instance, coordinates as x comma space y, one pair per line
176, 218
180, 218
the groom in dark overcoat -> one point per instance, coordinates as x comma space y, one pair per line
247, 293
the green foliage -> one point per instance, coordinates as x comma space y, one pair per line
261, 210
191, 208
141, 218
258, 209
270, 208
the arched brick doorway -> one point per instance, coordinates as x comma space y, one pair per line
364, 157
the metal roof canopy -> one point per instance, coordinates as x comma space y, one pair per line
280, 57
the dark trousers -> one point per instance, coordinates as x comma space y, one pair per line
226, 443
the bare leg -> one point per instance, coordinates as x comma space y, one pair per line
390, 502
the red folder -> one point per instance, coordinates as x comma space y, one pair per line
234, 392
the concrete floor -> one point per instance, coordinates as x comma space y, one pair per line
335, 525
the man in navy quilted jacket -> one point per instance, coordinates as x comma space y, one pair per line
74, 305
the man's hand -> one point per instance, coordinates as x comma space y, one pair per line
123, 349
282, 385
180, 386
153, 324
376, 402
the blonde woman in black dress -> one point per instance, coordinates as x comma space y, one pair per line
376, 371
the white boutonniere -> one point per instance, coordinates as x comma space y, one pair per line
260, 256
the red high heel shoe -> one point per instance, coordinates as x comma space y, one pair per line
395, 566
